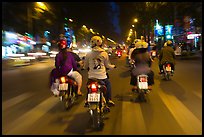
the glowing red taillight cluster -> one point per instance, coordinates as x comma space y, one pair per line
168, 65
94, 87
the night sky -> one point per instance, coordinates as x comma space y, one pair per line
111, 19
103, 17
107, 18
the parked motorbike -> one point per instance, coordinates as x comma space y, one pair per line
142, 87
96, 103
168, 72
68, 91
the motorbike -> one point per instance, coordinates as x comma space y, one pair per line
68, 91
168, 72
142, 87
97, 106
119, 53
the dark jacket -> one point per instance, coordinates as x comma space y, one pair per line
142, 61
167, 54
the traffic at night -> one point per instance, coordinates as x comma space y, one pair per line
102, 68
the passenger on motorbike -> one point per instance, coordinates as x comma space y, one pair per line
97, 61
65, 65
167, 55
142, 63
79, 61
131, 50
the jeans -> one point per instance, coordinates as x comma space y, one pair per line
108, 86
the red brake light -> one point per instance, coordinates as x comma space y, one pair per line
93, 87
168, 65
143, 79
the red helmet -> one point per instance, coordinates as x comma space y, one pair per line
62, 44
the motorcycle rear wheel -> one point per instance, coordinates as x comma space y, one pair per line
97, 121
142, 97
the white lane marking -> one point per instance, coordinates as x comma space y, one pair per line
132, 113
25, 121
11, 102
190, 124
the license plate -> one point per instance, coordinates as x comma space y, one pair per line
63, 86
168, 68
142, 83
94, 97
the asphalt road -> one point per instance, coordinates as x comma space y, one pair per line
173, 107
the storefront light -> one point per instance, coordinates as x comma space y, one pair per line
10, 35
192, 36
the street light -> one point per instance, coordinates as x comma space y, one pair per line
70, 20
135, 21
42, 6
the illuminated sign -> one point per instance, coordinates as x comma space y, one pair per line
192, 36
168, 29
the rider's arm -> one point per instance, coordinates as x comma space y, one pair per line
86, 62
74, 64
107, 61
57, 61
160, 55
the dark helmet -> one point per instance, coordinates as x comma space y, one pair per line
62, 44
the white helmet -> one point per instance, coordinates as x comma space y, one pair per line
96, 41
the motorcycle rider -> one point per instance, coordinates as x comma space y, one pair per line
97, 61
65, 65
142, 62
131, 50
79, 61
118, 49
167, 54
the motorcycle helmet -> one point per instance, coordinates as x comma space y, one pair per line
169, 42
141, 44
62, 44
96, 41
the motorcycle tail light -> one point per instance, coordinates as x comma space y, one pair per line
168, 65
143, 79
63, 79
94, 87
